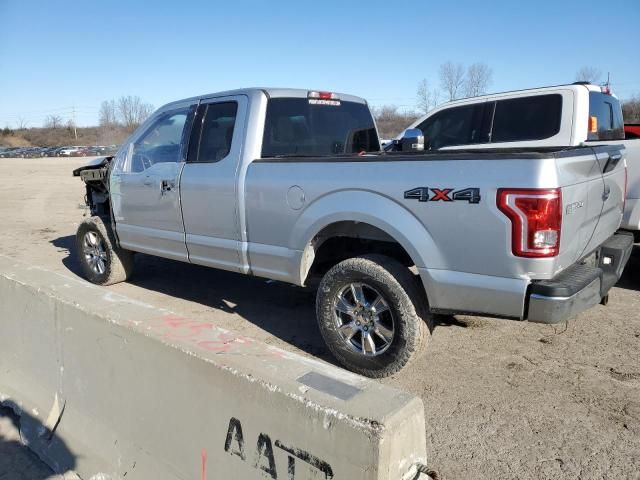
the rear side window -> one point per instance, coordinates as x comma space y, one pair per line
605, 122
295, 126
218, 123
454, 126
528, 118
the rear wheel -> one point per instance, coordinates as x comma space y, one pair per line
371, 315
102, 261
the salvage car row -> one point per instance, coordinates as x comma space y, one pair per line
59, 151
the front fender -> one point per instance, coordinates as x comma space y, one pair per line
367, 207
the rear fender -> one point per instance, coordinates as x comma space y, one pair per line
366, 207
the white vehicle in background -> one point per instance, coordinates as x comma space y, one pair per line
579, 114
69, 151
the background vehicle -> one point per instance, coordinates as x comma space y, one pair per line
69, 151
565, 115
632, 131
39, 152
8, 152
50, 152
277, 183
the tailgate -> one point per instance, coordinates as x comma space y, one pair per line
611, 160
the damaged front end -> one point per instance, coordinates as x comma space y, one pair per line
95, 175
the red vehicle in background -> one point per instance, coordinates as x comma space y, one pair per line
632, 130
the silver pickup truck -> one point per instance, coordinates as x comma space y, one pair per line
291, 185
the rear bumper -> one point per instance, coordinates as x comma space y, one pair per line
580, 286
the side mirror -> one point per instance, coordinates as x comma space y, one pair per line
412, 140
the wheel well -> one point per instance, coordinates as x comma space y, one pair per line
343, 240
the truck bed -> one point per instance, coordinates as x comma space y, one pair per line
289, 199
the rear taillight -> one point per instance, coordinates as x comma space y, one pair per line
536, 220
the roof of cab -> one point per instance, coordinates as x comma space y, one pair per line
490, 96
270, 92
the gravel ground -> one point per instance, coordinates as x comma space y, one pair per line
503, 399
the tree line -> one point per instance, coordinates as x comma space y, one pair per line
127, 112
117, 118
121, 116
454, 81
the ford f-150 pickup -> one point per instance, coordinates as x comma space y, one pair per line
291, 185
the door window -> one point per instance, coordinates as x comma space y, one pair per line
213, 142
454, 126
608, 113
160, 143
529, 118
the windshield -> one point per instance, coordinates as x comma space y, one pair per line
297, 126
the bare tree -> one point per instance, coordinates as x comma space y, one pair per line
451, 79
588, 74
391, 121
427, 97
108, 116
21, 123
631, 110
53, 121
133, 111
478, 79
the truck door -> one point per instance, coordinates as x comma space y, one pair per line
208, 185
145, 187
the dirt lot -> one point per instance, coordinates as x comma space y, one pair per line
503, 399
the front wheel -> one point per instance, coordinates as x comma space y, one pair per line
102, 261
370, 314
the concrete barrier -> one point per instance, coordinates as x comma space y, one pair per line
120, 388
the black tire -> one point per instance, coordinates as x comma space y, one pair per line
404, 299
117, 263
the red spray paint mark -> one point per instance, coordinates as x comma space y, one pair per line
203, 470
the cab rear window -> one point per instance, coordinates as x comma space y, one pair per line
605, 117
529, 118
296, 126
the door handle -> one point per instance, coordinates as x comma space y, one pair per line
166, 186
607, 192
611, 162
148, 181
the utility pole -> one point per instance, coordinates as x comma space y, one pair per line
75, 132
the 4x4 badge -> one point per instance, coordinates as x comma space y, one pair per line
426, 194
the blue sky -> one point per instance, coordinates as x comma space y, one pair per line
55, 55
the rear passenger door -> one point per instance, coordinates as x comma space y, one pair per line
208, 183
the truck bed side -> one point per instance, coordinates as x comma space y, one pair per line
458, 246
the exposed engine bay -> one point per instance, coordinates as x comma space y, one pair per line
95, 175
